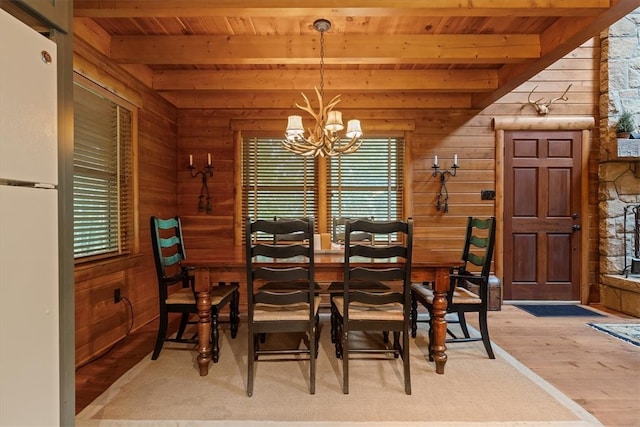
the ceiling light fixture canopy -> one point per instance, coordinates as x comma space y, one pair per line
324, 139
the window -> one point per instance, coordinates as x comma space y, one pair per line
102, 175
366, 183
277, 182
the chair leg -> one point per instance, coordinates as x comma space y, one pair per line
250, 362
334, 320
431, 336
234, 313
184, 319
215, 336
162, 333
414, 316
338, 339
405, 362
463, 324
396, 344
317, 335
484, 332
313, 344
345, 361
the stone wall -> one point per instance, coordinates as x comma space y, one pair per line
619, 169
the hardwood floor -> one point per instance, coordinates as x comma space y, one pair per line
599, 372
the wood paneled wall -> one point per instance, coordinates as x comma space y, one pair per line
444, 132
167, 137
100, 323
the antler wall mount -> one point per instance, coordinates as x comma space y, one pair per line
543, 107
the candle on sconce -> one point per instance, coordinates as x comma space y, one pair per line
435, 160
208, 159
455, 160
190, 160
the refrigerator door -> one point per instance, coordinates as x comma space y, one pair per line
28, 104
29, 279
29, 347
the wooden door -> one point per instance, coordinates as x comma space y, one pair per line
542, 225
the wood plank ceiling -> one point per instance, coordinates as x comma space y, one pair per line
263, 53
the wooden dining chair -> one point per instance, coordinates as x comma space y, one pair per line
335, 288
287, 239
294, 310
176, 289
360, 310
476, 255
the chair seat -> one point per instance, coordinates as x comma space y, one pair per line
185, 295
361, 311
271, 312
460, 295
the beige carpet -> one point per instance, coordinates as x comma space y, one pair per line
474, 391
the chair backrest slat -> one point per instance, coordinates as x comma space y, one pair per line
289, 236
168, 261
479, 245
169, 241
338, 230
286, 274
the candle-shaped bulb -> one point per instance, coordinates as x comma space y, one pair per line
208, 159
455, 160
435, 160
190, 160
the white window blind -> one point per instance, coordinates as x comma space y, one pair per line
367, 183
276, 182
102, 163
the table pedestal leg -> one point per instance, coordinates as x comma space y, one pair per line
438, 346
204, 332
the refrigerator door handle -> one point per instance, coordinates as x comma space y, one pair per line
16, 183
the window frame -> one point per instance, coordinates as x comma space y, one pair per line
323, 187
132, 226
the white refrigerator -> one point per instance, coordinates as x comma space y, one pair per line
29, 281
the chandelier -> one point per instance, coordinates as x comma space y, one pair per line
324, 139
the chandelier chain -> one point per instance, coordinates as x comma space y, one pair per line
322, 63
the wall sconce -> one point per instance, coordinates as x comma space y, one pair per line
443, 194
204, 189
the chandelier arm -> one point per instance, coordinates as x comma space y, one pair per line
350, 147
308, 108
334, 101
301, 150
301, 141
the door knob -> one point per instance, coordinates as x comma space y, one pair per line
576, 227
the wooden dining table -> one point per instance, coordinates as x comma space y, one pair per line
215, 266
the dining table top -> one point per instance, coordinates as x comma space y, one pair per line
234, 256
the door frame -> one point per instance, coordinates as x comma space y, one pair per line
581, 123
